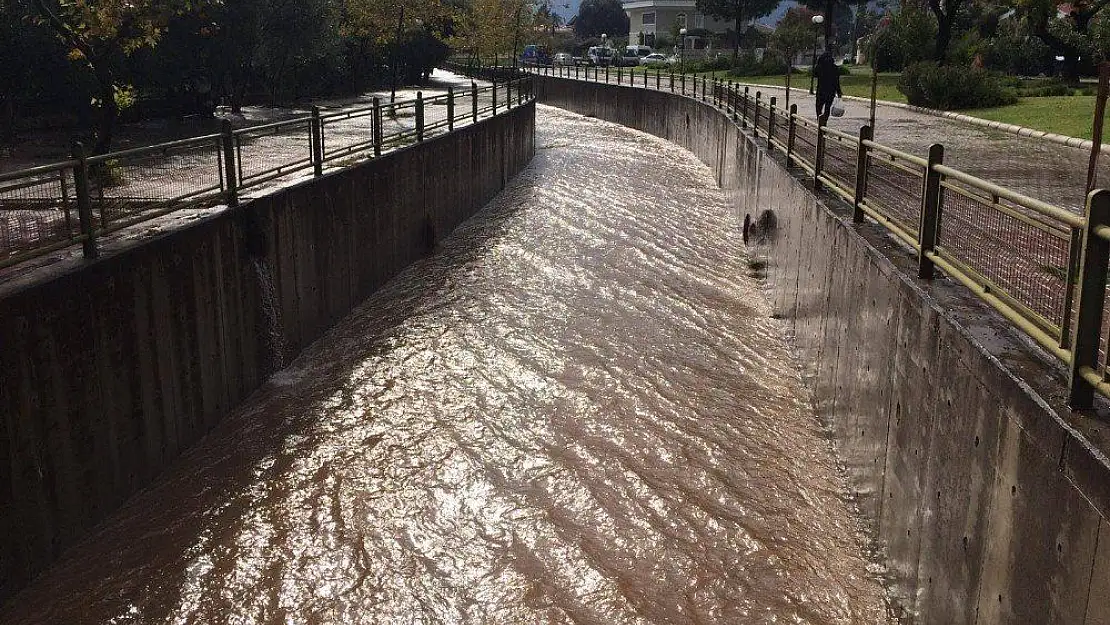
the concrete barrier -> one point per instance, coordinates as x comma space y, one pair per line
988, 499
111, 369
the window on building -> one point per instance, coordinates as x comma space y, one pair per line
649, 19
649, 40
699, 21
680, 20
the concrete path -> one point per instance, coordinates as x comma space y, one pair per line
1041, 169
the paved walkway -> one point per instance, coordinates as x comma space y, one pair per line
1041, 169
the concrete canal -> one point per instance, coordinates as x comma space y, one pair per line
580, 409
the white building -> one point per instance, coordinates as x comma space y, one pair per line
665, 17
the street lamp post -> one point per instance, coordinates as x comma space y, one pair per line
817, 21
682, 50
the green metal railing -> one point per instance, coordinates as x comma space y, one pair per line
45, 209
1042, 267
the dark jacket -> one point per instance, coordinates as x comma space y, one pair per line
828, 78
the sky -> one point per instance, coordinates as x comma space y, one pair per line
567, 12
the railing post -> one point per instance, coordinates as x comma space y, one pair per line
658, 79
495, 97
606, 74
419, 116
792, 130
509, 95
84, 200
672, 80
317, 142
863, 161
450, 109
683, 79
1092, 296
379, 127
771, 125
744, 107
930, 213
619, 72
819, 161
755, 120
474, 101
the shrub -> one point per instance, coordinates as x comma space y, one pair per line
948, 87
1044, 89
748, 65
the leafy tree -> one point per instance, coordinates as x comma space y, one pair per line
599, 17
100, 34
903, 38
946, 12
794, 32
1073, 36
738, 12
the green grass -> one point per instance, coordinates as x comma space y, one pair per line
1065, 115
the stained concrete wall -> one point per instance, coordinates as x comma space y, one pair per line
109, 371
989, 499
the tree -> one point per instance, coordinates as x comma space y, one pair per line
100, 34
739, 12
793, 33
945, 12
1072, 36
600, 17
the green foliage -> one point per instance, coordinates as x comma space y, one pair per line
598, 17
747, 65
794, 32
737, 11
907, 39
948, 87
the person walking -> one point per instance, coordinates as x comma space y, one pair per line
828, 85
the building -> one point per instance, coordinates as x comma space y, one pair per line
653, 18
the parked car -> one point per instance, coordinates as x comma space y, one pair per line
600, 56
535, 55
563, 59
660, 59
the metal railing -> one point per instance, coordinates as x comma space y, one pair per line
1042, 267
45, 209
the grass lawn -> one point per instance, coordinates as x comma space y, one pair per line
1066, 115
1071, 116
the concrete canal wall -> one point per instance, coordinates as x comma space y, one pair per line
112, 369
989, 499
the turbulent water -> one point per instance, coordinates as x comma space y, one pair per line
579, 411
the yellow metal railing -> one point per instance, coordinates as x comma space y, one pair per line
1040, 266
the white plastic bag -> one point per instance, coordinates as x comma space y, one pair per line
837, 108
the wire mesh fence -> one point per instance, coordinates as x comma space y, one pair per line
805, 143
127, 187
1020, 254
841, 161
894, 186
37, 211
40, 209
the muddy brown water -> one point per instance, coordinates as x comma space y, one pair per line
580, 410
